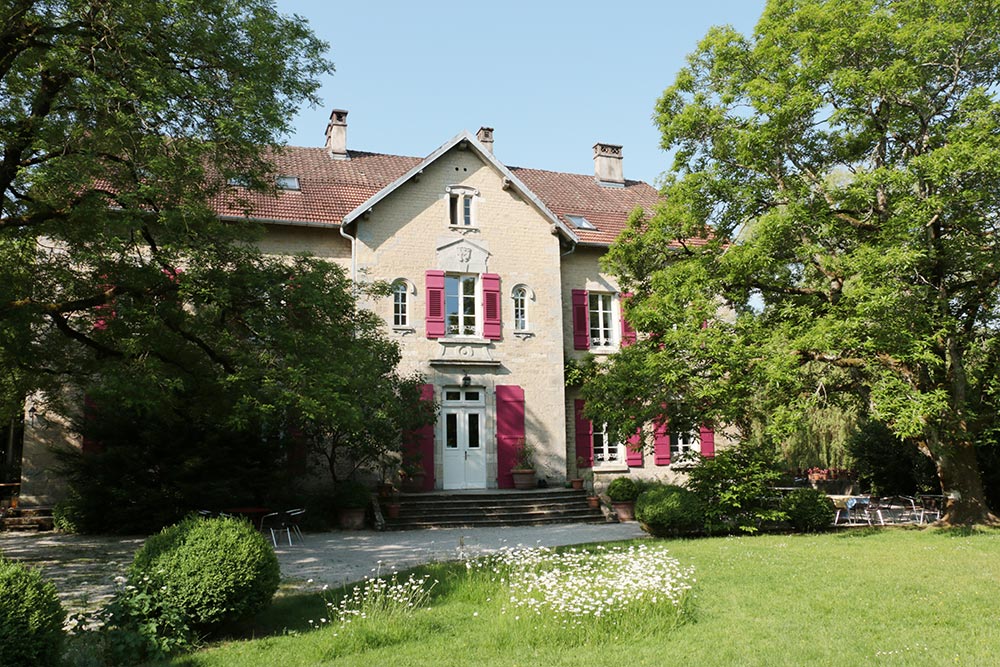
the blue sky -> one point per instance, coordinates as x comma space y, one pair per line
551, 78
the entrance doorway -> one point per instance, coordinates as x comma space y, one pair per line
463, 418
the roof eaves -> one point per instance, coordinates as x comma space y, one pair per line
277, 221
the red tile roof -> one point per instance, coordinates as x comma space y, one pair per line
330, 189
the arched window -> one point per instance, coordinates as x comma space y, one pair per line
520, 296
400, 304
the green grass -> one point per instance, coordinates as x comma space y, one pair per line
872, 597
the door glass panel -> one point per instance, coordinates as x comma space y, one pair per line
473, 430
472, 396
451, 430
452, 395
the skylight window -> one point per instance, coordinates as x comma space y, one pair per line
288, 182
238, 181
580, 222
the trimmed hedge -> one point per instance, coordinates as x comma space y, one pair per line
31, 618
808, 510
666, 510
623, 490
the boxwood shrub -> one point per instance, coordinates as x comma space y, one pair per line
31, 618
623, 490
666, 510
808, 510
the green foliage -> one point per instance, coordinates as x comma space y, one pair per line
31, 618
888, 466
213, 571
623, 490
735, 487
808, 510
352, 494
666, 510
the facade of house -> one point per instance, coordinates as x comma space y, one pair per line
496, 283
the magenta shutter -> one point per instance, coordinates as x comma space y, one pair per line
707, 441
633, 450
491, 306
510, 430
421, 441
661, 442
581, 325
628, 333
434, 287
584, 436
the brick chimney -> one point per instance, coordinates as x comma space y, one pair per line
485, 136
336, 135
608, 165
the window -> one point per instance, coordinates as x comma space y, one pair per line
605, 452
580, 222
461, 210
520, 296
461, 309
601, 330
400, 304
287, 182
682, 443
238, 181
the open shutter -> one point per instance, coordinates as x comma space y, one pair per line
584, 436
628, 333
707, 441
421, 441
633, 450
491, 306
510, 431
581, 325
661, 442
434, 322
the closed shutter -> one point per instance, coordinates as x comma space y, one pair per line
434, 294
584, 437
707, 441
510, 431
633, 450
628, 333
581, 325
661, 442
491, 306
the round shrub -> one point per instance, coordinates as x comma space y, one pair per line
31, 617
214, 571
669, 510
623, 490
808, 510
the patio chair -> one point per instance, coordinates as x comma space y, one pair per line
931, 507
294, 516
278, 522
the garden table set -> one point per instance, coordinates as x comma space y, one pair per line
892, 510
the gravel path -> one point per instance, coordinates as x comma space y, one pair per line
84, 568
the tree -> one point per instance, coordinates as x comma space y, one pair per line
840, 172
120, 124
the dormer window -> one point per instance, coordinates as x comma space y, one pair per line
461, 206
238, 181
287, 182
580, 222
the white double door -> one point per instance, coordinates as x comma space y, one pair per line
463, 420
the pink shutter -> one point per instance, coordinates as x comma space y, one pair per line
510, 430
491, 306
581, 325
421, 441
633, 450
707, 441
434, 322
628, 333
661, 442
584, 436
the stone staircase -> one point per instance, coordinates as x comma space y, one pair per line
26, 519
493, 507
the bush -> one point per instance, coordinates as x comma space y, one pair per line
213, 571
808, 510
623, 490
352, 494
666, 509
31, 618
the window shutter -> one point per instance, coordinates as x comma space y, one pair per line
661, 442
633, 450
434, 323
510, 430
707, 441
491, 306
421, 441
628, 333
584, 436
581, 325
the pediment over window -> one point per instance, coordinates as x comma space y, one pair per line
462, 256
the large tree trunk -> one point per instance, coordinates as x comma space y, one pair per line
961, 483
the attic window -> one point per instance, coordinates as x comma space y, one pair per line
287, 182
580, 222
461, 205
238, 181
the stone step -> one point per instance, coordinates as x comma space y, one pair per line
499, 508
22, 519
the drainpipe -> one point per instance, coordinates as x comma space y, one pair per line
354, 259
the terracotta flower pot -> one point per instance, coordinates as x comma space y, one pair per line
576, 483
391, 510
624, 510
524, 479
594, 502
351, 518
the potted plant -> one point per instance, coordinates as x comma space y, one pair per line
411, 474
523, 469
577, 482
352, 500
390, 505
623, 491
593, 500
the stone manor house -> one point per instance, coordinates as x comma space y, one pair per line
496, 283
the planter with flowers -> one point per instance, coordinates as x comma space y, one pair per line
523, 470
623, 491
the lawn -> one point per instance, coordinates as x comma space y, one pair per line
869, 597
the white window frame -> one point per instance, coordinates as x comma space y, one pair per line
606, 338
463, 207
683, 442
401, 304
461, 330
519, 296
606, 453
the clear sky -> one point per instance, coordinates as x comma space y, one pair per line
551, 77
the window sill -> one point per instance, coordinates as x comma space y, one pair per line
611, 467
402, 331
603, 350
524, 335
